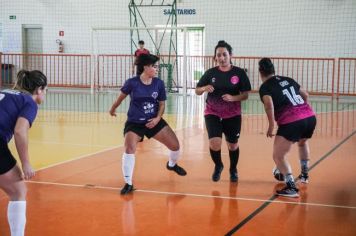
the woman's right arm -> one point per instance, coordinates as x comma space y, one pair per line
21, 142
204, 84
117, 103
200, 90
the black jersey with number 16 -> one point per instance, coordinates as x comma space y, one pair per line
289, 105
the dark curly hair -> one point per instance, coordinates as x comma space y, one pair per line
145, 60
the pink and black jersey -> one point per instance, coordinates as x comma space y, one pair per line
231, 82
14, 104
145, 99
289, 106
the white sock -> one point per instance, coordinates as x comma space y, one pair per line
128, 164
16, 215
173, 158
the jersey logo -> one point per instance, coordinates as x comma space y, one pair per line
234, 79
154, 95
148, 108
283, 83
213, 80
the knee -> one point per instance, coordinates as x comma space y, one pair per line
233, 146
175, 147
215, 144
18, 193
277, 158
215, 147
302, 144
130, 150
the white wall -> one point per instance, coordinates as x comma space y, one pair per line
303, 28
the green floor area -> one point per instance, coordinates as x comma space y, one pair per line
176, 103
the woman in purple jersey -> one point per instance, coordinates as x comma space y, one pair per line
286, 103
18, 109
144, 117
227, 86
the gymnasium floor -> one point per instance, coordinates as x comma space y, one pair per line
76, 147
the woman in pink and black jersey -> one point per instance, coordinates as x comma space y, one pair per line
286, 103
227, 86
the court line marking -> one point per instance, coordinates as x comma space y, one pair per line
89, 186
272, 198
91, 154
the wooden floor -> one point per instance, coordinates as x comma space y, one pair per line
76, 189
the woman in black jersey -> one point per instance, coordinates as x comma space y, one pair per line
286, 103
227, 86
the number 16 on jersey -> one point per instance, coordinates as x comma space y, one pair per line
292, 96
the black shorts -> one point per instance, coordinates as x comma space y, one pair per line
301, 129
141, 129
216, 126
7, 160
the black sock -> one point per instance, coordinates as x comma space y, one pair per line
234, 159
216, 157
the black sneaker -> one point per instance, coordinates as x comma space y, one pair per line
288, 192
127, 189
304, 178
217, 172
234, 176
176, 168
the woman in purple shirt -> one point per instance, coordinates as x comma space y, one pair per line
18, 109
144, 117
286, 103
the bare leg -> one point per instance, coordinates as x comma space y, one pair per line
167, 137
170, 140
280, 149
304, 155
14, 186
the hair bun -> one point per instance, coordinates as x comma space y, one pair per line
266, 66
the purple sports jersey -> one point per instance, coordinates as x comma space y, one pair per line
15, 104
145, 99
289, 105
231, 82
